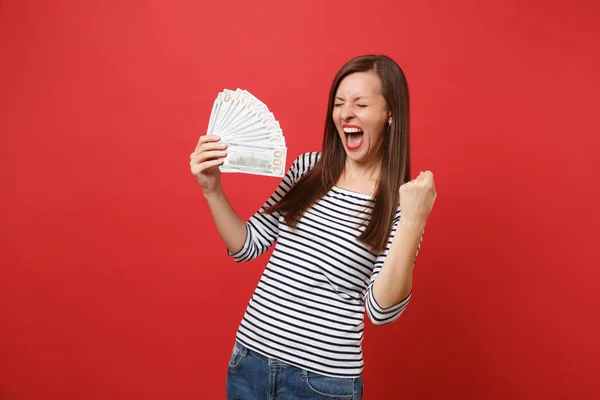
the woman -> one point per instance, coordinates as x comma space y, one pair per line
348, 223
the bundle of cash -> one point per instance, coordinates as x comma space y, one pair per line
255, 142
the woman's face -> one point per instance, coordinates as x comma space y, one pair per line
360, 114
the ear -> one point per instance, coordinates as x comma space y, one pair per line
389, 117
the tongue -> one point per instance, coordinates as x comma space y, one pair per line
355, 140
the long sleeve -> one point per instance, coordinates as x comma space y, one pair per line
377, 314
262, 230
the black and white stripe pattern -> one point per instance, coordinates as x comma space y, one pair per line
308, 308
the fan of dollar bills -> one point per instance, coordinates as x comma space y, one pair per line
255, 142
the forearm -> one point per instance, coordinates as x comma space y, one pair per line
394, 282
231, 228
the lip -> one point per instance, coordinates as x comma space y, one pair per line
351, 126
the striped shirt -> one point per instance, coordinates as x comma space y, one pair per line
309, 305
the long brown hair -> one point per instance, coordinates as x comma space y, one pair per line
395, 153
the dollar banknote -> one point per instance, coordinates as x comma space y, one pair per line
255, 138
254, 159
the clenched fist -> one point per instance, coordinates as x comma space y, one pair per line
417, 197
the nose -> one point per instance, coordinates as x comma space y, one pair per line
346, 113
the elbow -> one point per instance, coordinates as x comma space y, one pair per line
381, 316
248, 251
378, 320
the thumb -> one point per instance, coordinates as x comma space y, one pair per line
420, 176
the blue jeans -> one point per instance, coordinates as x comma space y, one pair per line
252, 376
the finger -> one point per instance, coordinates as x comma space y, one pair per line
209, 147
209, 164
201, 156
425, 176
428, 174
209, 155
206, 139
429, 180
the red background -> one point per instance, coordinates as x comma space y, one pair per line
113, 281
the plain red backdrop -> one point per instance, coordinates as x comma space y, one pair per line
113, 281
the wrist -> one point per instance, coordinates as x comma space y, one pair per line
214, 193
417, 224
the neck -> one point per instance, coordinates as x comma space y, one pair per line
368, 170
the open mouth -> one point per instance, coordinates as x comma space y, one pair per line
354, 136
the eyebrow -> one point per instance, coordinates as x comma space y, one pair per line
356, 98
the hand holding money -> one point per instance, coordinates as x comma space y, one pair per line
254, 138
205, 162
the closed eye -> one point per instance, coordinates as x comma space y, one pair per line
362, 105
337, 104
